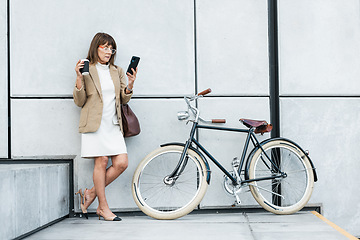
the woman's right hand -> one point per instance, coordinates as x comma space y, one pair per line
79, 64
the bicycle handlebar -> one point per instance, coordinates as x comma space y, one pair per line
196, 112
204, 92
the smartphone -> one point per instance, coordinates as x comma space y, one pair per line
133, 64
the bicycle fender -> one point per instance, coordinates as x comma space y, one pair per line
208, 177
272, 139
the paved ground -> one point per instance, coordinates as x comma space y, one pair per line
244, 226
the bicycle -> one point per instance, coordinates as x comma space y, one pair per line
172, 180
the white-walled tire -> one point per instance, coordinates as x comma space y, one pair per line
284, 195
158, 198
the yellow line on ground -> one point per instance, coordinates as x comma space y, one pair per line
337, 228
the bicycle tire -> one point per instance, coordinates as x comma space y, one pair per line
295, 189
163, 201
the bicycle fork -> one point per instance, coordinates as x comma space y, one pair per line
171, 178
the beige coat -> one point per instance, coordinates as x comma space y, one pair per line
89, 97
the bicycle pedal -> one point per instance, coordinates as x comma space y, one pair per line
237, 199
236, 204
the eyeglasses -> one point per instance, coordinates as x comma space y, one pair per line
106, 49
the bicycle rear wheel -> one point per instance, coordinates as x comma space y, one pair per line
160, 198
287, 194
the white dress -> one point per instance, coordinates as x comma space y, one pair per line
108, 139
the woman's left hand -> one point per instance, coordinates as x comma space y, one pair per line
131, 78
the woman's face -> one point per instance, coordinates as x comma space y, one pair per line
104, 53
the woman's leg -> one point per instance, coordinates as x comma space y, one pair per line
99, 180
119, 165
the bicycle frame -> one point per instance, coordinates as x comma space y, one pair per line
250, 137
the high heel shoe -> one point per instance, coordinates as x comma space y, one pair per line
82, 203
116, 218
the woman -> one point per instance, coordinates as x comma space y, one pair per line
100, 95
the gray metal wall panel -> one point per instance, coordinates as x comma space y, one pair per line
319, 47
224, 146
232, 47
319, 56
327, 128
3, 82
44, 128
47, 43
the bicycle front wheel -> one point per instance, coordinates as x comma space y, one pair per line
289, 193
160, 198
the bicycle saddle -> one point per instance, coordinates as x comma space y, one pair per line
260, 126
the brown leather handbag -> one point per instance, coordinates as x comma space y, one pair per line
130, 122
